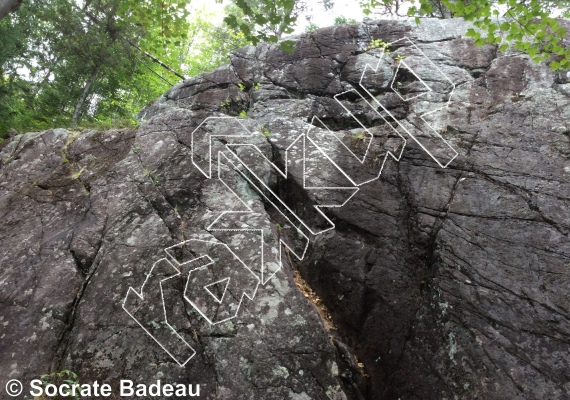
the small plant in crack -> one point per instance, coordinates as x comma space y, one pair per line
263, 129
243, 114
241, 86
399, 58
136, 149
397, 87
359, 136
225, 103
256, 86
76, 174
146, 172
378, 44
375, 161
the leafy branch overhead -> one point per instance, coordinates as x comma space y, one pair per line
265, 20
529, 26
99, 62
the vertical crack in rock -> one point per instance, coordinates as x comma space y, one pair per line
61, 349
441, 283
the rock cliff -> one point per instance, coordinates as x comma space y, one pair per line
429, 282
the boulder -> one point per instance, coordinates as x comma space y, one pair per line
439, 270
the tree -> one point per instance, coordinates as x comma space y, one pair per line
268, 20
263, 20
75, 57
61, 64
64, 62
527, 25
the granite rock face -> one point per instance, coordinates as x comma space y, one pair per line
442, 283
87, 216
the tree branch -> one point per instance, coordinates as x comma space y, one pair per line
156, 60
146, 53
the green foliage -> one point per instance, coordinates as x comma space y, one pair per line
287, 45
359, 136
378, 44
58, 378
243, 114
95, 63
72, 59
368, 6
264, 20
526, 25
342, 20
311, 27
50, 49
103, 123
263, 129
208, 45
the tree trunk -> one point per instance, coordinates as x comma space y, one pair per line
156, 60
443, 10
81, 101
144, 52
7, 6
40, 85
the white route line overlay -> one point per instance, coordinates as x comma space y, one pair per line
180, 362
245, 133
212, 227
375, 69
205, 287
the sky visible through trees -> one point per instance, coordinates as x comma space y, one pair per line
98, 62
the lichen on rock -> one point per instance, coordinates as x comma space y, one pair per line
441, 283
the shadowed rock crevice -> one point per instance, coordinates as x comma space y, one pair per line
441, 283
